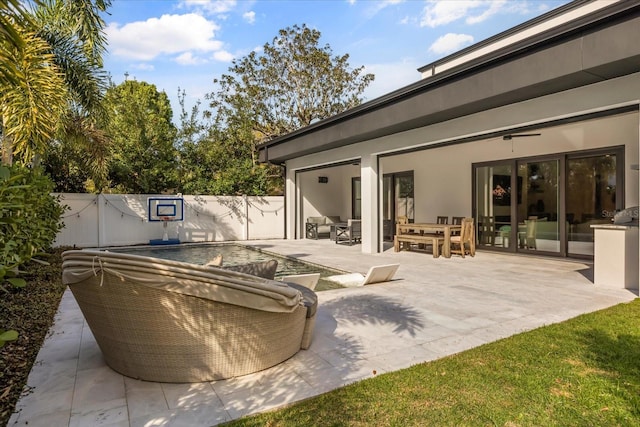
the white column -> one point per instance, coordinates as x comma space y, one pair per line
370, 210
291, 199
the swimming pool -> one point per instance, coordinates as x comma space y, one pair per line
233, 254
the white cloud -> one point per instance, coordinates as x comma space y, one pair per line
223, 56
378, 6
250, 17
143, 67
169, 34
187, 58
494, 7
450, 43
441, 12
207, 6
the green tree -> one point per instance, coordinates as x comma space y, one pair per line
143, 156
54, 71
291, 84
75, 31
216, 160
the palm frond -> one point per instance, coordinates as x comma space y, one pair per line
32, 106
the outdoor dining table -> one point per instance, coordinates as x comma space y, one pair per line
429, 227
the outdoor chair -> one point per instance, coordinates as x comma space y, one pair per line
309, 280
441, 220
456, 220
465, 240
376, 274
403, 219
349, 233
170, 321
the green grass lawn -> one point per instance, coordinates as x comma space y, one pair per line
583, 372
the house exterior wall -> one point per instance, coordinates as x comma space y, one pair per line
442, 176
327, 199
451, 164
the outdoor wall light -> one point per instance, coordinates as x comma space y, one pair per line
323, 179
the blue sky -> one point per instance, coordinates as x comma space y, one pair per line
186, 44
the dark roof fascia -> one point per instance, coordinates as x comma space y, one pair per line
507, 33
547, 37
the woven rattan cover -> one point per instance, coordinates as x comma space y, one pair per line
152, 332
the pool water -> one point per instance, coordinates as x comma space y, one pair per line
233, 254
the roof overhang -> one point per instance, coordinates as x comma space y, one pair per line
601, 46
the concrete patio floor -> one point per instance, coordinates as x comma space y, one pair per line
434, 308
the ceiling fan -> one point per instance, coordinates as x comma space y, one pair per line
519, 135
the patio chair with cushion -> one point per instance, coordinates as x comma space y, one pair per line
349, 233
317, 226
170, 321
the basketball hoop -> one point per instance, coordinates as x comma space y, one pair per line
165, 209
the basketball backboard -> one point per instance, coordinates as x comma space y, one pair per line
165, 209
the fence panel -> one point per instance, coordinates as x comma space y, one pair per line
80, 221
266, 217
122, 219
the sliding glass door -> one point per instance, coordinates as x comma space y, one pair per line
592, 190
547, 204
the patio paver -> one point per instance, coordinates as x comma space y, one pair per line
435, 308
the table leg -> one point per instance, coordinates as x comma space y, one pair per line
446, 247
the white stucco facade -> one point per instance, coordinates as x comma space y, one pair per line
442, 161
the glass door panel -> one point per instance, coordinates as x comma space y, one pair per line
387, 208
404, 201
493, 206
539, 205
356, 198
591, 197
397, 200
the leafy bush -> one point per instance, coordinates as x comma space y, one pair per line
30, 217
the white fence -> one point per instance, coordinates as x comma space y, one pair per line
122, 219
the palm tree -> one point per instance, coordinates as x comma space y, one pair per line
74, 30
55, 85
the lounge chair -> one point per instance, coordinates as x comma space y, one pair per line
376, 274
170, 321
309, 280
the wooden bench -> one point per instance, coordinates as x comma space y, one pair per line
435, 240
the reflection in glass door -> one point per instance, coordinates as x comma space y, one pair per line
356, 198
538, 206
397, 200
591, 198
548, 204
493, 206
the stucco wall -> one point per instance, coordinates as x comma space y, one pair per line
331, 198
442, 176
441, 172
